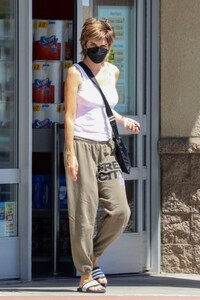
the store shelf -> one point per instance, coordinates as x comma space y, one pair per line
48, 259
41, 213
46, 213
41, 259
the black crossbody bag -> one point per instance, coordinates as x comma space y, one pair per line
121, 150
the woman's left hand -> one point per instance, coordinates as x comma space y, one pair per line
131, 125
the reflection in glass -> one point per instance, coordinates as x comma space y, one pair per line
122, 15
86, 9
8, 210
8, 93
144, 147
132, 196
144, 204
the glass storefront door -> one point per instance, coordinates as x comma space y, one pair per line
131, 252
130, 55
14, 139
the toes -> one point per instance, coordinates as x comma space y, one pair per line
97, 288
102, 281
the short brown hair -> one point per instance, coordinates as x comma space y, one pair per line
96, 29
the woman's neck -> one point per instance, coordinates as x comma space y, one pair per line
95, 68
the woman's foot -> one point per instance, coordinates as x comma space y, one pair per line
97, 273
99, 276
93, 289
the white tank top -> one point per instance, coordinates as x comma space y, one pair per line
91, 119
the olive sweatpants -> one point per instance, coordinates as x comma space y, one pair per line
99, 180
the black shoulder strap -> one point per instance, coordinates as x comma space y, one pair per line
108, 109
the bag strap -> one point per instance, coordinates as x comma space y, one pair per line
109, 112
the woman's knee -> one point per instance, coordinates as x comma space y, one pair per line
123, 213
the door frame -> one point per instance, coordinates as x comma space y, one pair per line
25, 137
148, 59
153, 91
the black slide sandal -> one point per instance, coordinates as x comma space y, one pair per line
97, 274
85, 288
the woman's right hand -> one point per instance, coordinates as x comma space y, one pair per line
72, 166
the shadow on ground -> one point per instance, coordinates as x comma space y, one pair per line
70, 284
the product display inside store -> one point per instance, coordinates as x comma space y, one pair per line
53, 54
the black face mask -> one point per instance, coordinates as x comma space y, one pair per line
97, 54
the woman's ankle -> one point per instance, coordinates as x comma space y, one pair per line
95, 262
85, 278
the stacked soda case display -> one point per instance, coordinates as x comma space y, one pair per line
64, 241
41, 227
52, 56
41, 241
41, 192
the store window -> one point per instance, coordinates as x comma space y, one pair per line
8, 90
8, 115
122, 15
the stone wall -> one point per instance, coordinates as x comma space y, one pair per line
180, 207
179, 68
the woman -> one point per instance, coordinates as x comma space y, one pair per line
93, 174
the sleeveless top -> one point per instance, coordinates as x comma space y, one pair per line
91, 120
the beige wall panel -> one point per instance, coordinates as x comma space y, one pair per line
180, 68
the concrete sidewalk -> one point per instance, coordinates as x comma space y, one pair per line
140, 287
